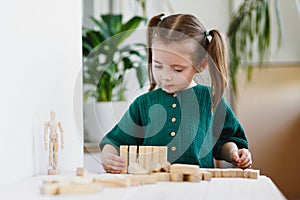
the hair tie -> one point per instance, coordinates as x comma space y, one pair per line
163, 17
207, 33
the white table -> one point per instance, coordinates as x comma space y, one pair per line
217, 188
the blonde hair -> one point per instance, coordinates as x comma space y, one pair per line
180, 27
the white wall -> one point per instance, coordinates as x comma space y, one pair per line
290, 48
40, 63
213, 14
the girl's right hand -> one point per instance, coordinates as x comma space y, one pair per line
113, 163
241, 158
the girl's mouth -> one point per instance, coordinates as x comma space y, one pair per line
167, 86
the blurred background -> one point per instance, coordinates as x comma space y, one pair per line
266, 96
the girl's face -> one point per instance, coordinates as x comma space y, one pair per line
173, 69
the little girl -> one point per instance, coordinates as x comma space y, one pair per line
192, 120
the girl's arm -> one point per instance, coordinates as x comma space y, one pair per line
123, 133
111, 161
238, 157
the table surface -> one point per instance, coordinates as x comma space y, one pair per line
217, 188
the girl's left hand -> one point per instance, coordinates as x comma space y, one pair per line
241, 158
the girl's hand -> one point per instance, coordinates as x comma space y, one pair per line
241, 158
113, 163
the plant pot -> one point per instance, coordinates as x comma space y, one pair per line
100, 118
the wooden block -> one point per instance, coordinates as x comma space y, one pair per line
148, 158
50, 188
201, 174
206, 176
51, 181
109, 182
239, 173
162, 176
184, 169
155, 167
132, 154
155, 158
185, 172
178, 177
53, 172
163, 155
73, 185
124, 155
254, 174
81, 180
142, 156
165, 167
251, 173
79, 188
142, 179
218, 173
192, 177
247, 173
135, 168
236, 173
80, 171
215, 172
211, 170
225, 173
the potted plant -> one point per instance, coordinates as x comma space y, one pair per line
250, 31
107, 59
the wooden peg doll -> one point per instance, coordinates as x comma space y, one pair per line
50, 131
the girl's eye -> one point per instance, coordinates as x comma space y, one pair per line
177, 70
158, 66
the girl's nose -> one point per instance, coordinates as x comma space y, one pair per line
166, 77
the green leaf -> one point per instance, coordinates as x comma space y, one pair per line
103, 28
104, 41
113, 23
249, 72
128, 28
141, 73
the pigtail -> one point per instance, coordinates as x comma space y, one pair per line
218, 66
153, 22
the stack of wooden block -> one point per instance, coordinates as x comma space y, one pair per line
192, 173
82, 183
153, 159
144, 159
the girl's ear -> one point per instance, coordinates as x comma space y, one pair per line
202, 65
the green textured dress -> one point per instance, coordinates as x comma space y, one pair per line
183, 121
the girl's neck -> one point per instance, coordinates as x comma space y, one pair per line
192, 84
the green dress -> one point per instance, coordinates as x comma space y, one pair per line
183, 121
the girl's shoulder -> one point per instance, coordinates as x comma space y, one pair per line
202, 90
200, 87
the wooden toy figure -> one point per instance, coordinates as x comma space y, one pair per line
53, 142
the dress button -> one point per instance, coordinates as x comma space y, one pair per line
175, 95
173, 133
173, 148
174, 105
173, 119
